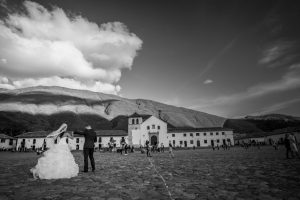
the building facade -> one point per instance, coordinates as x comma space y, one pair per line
140, 129
146, 127
7, 142
201, 137
37, 140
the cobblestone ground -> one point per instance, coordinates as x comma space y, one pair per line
192, 174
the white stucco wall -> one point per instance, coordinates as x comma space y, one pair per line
191, 141
140, 133
5, 144
71, 142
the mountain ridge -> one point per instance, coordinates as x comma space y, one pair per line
43, 100
45, 108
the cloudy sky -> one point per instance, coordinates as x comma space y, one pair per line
229, 58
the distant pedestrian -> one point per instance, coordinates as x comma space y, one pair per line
162, 148
287, 145
171, 150
125, 148
148, 148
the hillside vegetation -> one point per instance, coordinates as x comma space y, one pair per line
45, 108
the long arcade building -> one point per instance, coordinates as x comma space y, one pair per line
140, 129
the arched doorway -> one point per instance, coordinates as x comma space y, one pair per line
153, 140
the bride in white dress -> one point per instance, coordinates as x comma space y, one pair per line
58, 161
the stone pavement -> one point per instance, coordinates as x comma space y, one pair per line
192, 174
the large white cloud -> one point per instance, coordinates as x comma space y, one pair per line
47, 47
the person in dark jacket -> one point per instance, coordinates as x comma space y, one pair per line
88, 147
287, 145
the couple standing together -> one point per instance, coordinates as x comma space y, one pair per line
58, 161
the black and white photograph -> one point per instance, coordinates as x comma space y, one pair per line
149, 100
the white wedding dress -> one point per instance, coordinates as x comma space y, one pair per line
56, 163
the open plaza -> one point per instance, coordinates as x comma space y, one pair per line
237, 173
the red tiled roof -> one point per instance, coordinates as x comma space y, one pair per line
103, 133
3, 136
143, 116
181, 130
34, 134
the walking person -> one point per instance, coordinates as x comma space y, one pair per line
171, 150
148, 148
125, 148
88, 147
287, 145
162, 148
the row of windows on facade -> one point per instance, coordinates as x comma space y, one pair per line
55, 141
153, 127
10, 141
198, 134
204, 141
135, 121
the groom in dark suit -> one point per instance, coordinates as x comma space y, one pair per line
88, 147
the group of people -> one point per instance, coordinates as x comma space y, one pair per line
154, 148
291, 145
223, 146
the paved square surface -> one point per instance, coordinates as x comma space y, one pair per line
192, 174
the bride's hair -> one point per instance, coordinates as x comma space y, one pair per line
62, 134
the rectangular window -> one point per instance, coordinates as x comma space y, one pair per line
211, 133
180, 142
34, 141
217, 133
205, 141
153, 126
223, 133
132, 121
197, 134
204, 134
148, 127
77, 140
184, 135
100, 140
2, 140
218, 140
158, 127
192, 142
173, 135
11, 142
191, 134
173, 142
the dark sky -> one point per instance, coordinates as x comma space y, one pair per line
229, 58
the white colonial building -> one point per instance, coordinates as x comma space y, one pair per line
147, 127
201, 137
36, 140
7, 142
140, 129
